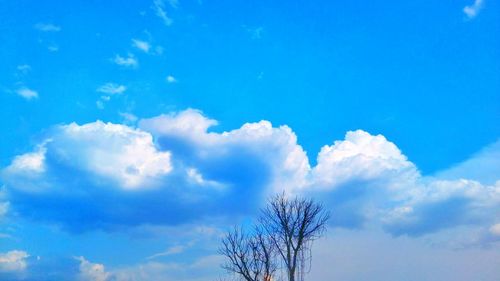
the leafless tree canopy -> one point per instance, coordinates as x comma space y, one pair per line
293, 224
286, 230
250, 256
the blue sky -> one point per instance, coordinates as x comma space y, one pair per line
136, 133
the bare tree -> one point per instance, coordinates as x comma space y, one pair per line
292, 225
286, 230
250, 256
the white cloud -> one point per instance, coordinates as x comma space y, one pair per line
112, 89
473, 10
170, 251
129, 61
13, 261
360, 156
171, 79
27, 93
188, 122
107, 151
30, 162
193, 172
47, 27
160, 9
141, 45
92, 271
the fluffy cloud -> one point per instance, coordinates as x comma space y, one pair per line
173, 170
13, 261
92, 271
360, 156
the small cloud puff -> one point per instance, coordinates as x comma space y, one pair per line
141, 45
27, 94
171, 79
473, 10
112, 89
129, 61
89, 271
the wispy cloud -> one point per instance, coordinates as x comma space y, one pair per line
160, 9
47, 27
99, 104
141, 45
170, 251
53, 48
255, 32
129, 61
112, 89
473, 10
24, 68
128, 118
27, 93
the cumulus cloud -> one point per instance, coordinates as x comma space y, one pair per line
473, 10
173, 169
47, 27
360, 156
92, 271
129, 61
27, 94
13, 261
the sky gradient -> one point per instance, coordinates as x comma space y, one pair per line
135, 134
